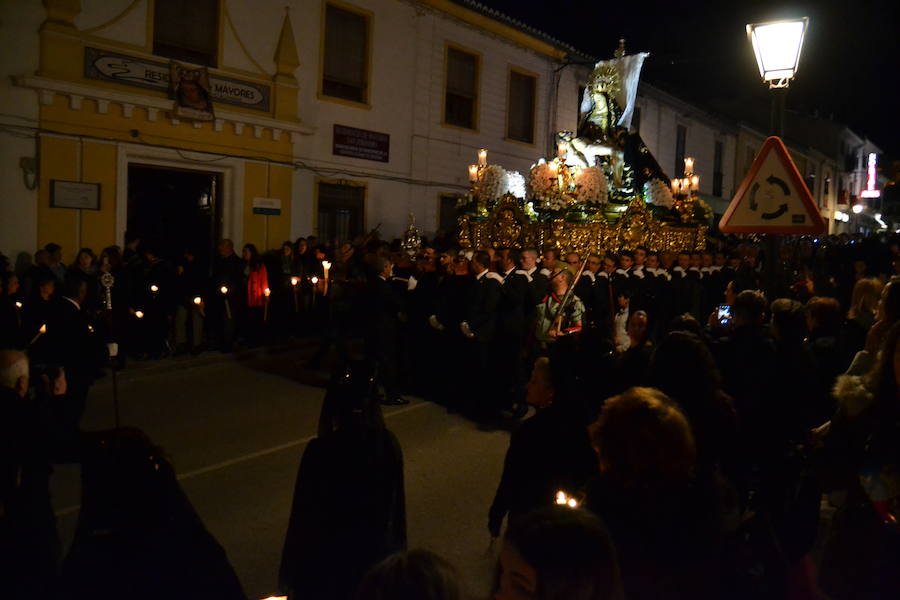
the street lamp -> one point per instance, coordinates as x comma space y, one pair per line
777, 46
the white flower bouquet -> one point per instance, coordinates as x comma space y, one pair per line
659, 193
592, 186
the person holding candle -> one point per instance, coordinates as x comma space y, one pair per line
257, 282
550, 450
224, 307
189, 316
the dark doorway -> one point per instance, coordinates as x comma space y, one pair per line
175, 209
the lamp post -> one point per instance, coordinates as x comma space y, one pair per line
777, 46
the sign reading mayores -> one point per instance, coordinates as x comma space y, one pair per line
154, 75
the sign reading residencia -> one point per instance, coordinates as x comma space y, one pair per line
154, 75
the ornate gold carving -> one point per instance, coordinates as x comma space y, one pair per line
508, 226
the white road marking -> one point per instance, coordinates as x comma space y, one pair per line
63, 512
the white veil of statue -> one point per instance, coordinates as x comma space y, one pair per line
629, 69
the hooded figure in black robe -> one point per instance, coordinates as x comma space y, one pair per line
138, 536
349, 509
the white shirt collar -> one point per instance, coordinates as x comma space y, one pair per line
480, 275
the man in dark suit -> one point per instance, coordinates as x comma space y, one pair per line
480, 325
74, 346
382, 329
513, 307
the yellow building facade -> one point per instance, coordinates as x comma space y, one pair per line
104, 108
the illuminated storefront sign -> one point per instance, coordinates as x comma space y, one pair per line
870, 191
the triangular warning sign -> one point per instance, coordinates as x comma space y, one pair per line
773, 198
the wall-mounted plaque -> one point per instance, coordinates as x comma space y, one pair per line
72, 194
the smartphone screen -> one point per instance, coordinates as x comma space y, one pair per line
723, 314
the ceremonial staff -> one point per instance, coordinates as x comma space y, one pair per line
107, 281
567, 299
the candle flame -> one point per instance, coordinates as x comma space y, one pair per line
43, 328
139, 314
326, 265
91, 328
314, 279
482, 157
198, 300
267, 291
564, 499
294, 281
154, 288
223, 289
18, 304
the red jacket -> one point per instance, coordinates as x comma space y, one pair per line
257, 283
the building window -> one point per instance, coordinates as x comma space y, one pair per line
461, 96
520, 107
636, 120
447, 219
345, 65
717, 169
187, 31
826, 185
680, 141
340, 212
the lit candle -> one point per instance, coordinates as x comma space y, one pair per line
266, 291
41, 331
325, 266
482, 158
473, 173
224, 291
91, 328
685, 185
695, 183
154, 288
674, 187
199, 302
139, 314
294, 282
688, 165
560, 497
314, 280
572, 503
561, 149
18, 304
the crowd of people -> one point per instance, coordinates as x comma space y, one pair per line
685, 424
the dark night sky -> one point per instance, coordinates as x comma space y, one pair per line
699, 51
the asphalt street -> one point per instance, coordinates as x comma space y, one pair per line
236, 427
